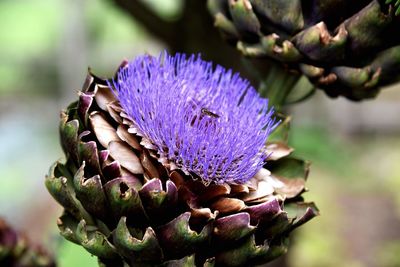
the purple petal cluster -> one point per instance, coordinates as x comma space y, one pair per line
207, 121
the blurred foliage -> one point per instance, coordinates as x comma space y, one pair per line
168, 9
33, 33
70, 254
25, 38
389, 256
316, 144
35, 36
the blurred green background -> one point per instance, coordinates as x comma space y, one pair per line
45, 49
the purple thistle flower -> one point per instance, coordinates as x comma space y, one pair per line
208, 122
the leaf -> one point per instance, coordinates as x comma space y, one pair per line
396, 5
301, 213
290, 168
290, 174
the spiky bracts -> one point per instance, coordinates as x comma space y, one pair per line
127, 205
17, 251
349, 48
208, 122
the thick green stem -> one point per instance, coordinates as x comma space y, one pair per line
277, 85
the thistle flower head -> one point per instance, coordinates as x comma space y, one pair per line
207, 121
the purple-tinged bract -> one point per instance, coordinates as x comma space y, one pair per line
207, 121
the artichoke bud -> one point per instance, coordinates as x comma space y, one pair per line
325, 35
17, 251
244, 17
166, 165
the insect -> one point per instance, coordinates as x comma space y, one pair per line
209, 113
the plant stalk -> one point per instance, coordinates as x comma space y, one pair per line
277, 85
